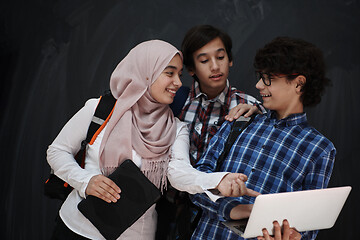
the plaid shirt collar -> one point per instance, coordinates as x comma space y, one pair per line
291, 120
197, 94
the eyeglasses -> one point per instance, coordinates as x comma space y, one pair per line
266, 77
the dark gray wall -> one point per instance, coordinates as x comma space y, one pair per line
57, 54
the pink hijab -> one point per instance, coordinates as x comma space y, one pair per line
139, 122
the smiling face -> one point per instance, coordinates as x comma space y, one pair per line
211, 67
165, 86
282, 96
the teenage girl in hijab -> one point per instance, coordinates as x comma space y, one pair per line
142, 128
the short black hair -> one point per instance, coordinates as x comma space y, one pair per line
285, 55
199, 36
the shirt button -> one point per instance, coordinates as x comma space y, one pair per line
263, 146
253, 170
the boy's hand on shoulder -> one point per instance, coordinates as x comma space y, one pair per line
242, 109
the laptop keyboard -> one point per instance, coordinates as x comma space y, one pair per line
242, 225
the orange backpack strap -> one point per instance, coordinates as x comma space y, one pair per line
101, 116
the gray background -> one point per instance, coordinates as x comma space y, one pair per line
57, 54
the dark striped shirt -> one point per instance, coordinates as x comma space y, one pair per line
205, 116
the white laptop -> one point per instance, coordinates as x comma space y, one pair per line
305, 210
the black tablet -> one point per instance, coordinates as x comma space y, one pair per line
137, 195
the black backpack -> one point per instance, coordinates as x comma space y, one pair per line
56, 188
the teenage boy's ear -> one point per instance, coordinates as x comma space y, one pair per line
191, 71
230, 63
300, 82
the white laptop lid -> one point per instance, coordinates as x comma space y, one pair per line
305, 210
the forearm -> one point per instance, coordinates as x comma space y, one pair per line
66, 168
318, 179
184, 177
181, 174
221, 209
60, 154
209, 207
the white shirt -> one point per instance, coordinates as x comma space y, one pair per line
60, 157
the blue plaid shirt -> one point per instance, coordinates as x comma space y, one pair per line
205, 116
277, 156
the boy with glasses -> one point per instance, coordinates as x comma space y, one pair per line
279, 151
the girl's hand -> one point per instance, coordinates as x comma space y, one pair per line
233, 185
103, 188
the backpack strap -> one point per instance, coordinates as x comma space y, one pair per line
238, 126
179, 100
101, 116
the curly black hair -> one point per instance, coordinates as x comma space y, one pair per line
199, 36
289, 56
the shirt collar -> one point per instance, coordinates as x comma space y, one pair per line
221, 98
292, 120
